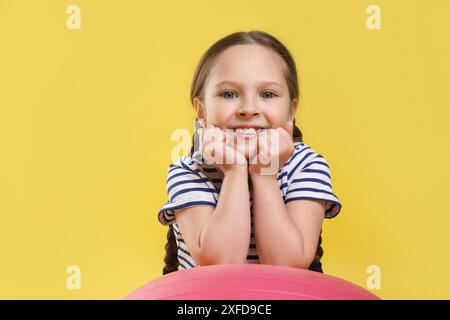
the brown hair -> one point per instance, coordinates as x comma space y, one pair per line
197, 90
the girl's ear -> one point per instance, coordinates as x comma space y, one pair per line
293, 109
199, 110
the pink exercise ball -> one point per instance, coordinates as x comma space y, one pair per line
249, 282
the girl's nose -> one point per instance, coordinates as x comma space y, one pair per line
248, 110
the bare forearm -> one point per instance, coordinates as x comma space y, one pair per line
278, 240
225, 237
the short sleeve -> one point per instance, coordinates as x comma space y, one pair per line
312, 181
185, 188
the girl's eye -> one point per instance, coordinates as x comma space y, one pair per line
227, 93
271, 94
266, 94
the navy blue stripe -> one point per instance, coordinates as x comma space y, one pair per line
208, 190
187, 204
182, 265
175, 230
189, 171
281, 175
168, 213
252, 257
334, 203
182, 250
185, 166
184, 259
312, 180
298, 164
252, 246
200, 180
289, 161
310, 189
173, 167
197, 170
177, 175
315, 171
167, 221
295, 155
316, 162
311, 198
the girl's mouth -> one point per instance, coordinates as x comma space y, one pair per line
245, 131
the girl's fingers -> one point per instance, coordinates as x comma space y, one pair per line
200, 139
263, 146
230, 139
214, 134
214, 144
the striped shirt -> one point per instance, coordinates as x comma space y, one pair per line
190, 182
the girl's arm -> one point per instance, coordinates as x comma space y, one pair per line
285, 234
224, 237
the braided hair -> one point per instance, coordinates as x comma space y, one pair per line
171, 262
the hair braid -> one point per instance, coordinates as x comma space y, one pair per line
171, 259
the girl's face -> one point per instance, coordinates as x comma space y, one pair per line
246, 87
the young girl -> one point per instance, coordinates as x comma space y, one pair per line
245, 87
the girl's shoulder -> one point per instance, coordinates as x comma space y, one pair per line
307, 175
302, 149
302, 156
190, 164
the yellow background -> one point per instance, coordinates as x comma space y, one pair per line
86, 118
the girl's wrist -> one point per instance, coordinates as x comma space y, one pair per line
238, 169
260, 176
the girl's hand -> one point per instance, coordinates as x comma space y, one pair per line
216, 147
275, 147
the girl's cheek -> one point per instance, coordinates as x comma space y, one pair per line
227, 104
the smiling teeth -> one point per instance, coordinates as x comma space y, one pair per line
245, 131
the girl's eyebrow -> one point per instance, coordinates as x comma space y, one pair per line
237, 83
